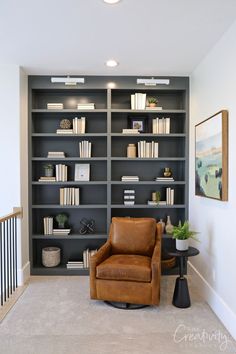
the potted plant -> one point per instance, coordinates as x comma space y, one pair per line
61, 219
48, 170
181, 234
152, 101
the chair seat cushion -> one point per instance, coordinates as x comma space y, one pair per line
125, 267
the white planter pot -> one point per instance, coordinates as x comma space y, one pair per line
182, 245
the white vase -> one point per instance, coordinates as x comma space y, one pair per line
182, 245
169, 226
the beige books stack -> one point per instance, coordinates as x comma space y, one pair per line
79, 125
138, 101
164, 179
56, 154
65, 131
130, 178
69, 196
47, 179
86, 106
129, 197
55, 105
85, 148
61, 173
170, 196
161, 126
157, 108
87, 254
61, 232
48, 225
130, 131
75, 265
148, 149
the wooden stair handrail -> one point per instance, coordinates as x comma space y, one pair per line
17, 212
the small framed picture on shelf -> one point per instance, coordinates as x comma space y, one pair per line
138, 122
82, 172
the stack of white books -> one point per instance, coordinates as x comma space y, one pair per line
69, 196
65, 131
147, 149
87, 254
170, 196
47, 179
161, 126
55, 106
130, 178
130, 131
79, 125
156, 108
129, 197
48, 225
61, 232
56, 155
164, 179
138, 101
89, 105
85, 148
75, 265
61, 173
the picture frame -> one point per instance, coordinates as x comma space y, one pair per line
82, 172
211, 157
138, 122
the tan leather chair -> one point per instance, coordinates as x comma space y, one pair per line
127, 268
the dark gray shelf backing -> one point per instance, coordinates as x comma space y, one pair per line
69, 146
69, 183
74, 217
71, 237
166, 99
89, 194
120, 121
148, 171
70, 98
98, 169
143, 193
174, 147
49, 122
156, 213
70, 250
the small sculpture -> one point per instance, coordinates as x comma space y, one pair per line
65, 124
87, 226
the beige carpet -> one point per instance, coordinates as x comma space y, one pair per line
56, 316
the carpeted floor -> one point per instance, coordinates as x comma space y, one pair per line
56, 316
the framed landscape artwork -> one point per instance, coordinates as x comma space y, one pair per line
211, 157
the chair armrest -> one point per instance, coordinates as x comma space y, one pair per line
156, 267
102, 254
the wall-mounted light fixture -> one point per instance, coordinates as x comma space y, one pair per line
153, 82
70, 81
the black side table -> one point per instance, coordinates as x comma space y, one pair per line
181, 296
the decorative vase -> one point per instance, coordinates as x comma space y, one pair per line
167, 172
152, 104
48, 172
169, 226
162, 224
131, 151
182, 245
51, 256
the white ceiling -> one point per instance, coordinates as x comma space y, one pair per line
148, 37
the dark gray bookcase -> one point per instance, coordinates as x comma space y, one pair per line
102, 197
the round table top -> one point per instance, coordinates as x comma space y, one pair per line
192, 251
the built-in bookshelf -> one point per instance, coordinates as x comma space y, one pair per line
102, 196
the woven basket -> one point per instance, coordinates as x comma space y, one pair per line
51, 256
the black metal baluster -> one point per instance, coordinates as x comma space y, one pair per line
1, 264
16, 249
4, 263
13, 256
10, 263
7, 259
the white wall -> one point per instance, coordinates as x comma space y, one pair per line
13, 149
213, 88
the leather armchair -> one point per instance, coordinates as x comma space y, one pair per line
127, 268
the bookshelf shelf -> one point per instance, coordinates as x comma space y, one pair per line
101, 197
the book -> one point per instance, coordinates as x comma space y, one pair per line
55, 106
48, 225
64, 131
153, 108
138, 101
130, 131
85, 148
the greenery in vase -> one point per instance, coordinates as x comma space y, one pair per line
48, 166
158, 197
152, 100
182, 232
61, 219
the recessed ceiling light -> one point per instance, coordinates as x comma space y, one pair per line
111, 1
111, 63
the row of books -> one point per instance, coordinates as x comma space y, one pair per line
147, 149
55, 106
69, 196
78, 127
161, 126
170, 193
130, 178
56, 154
164, 179
61, 175
85, 148
49, 230
138, 101
84, 264
89, 105
129, 197
130, 131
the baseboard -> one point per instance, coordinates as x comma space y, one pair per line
217, 304
23, 274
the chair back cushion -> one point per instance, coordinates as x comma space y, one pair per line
133, 236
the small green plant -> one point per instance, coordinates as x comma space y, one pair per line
48, 166
61, 219
158, 197
152, 100
182, 232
